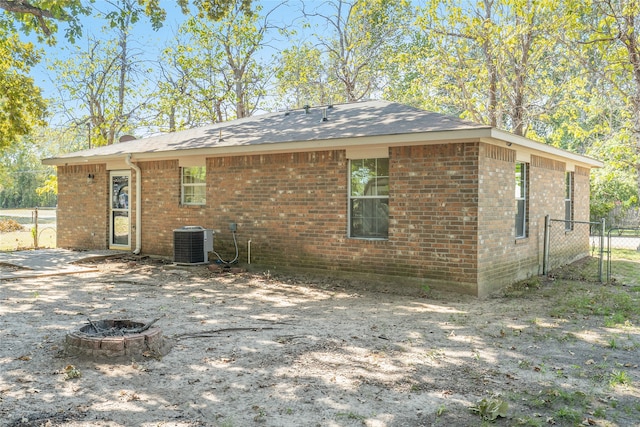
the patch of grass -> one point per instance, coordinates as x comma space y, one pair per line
614, 320
563, 402
426, 289
628, 254
601, 301
600, 413
530, 421
627, 272
584, 270
569, 415
619, 378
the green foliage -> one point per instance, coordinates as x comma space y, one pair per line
569, 415
215, 9
43, 17
563, 73
105, 80
212, 71
302, 76
491, 409
606, 302
498, 63
50, 186
351, 57
619, 378
540, 70
21, 105
21, 173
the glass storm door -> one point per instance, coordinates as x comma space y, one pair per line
120, 225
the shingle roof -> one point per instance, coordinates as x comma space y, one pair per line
362, 119
348, 125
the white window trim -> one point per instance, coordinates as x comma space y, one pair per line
350, 198
525, 184
568, 201
183, 186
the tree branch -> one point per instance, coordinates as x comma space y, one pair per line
24, 7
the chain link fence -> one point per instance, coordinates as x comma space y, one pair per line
621, 238
566, 242
27, 228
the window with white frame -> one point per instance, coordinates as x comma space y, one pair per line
194, 185
522, 202
369, 198
568, 201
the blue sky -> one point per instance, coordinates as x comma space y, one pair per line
146, 38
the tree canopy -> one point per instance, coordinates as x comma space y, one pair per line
21, 104
561, 72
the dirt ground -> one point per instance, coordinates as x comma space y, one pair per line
259, 349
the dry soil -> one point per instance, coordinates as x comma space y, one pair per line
259, 349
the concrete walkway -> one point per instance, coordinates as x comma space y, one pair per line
48, 262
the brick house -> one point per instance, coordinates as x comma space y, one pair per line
358, 188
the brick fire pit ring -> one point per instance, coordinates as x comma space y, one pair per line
92, 341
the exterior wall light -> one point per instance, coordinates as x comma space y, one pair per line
90, 178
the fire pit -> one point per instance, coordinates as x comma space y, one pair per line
116, 338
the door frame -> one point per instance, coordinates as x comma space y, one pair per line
112, 174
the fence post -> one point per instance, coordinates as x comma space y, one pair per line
601, 265
35, 235
545, 250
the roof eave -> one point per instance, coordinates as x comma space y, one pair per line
487, 134
282, 147
521, 141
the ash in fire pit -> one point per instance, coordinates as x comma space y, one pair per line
115, 338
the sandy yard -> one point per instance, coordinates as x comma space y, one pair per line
258, 349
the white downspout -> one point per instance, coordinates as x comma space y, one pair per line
138, 203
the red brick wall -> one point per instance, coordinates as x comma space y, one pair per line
581, 193
497, 256
161, 209
504, 259
434, 214
82, 207
451, 208
293, 207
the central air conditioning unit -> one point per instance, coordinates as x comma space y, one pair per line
192, 244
